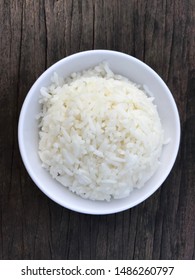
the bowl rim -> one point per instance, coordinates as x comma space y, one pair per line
29, 167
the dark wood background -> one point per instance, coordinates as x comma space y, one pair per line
34, 34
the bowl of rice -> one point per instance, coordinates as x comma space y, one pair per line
99, 132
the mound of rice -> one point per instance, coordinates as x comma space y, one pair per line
100, 134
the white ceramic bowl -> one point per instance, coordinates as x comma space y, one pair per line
136, 71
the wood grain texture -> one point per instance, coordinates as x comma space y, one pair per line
33, 36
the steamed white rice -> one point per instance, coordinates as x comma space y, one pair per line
100, 134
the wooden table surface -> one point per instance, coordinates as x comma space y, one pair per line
33, 36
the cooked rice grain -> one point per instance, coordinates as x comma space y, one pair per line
100, 134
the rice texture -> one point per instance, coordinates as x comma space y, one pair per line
100, 135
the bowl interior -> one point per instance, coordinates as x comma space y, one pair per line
121, 64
